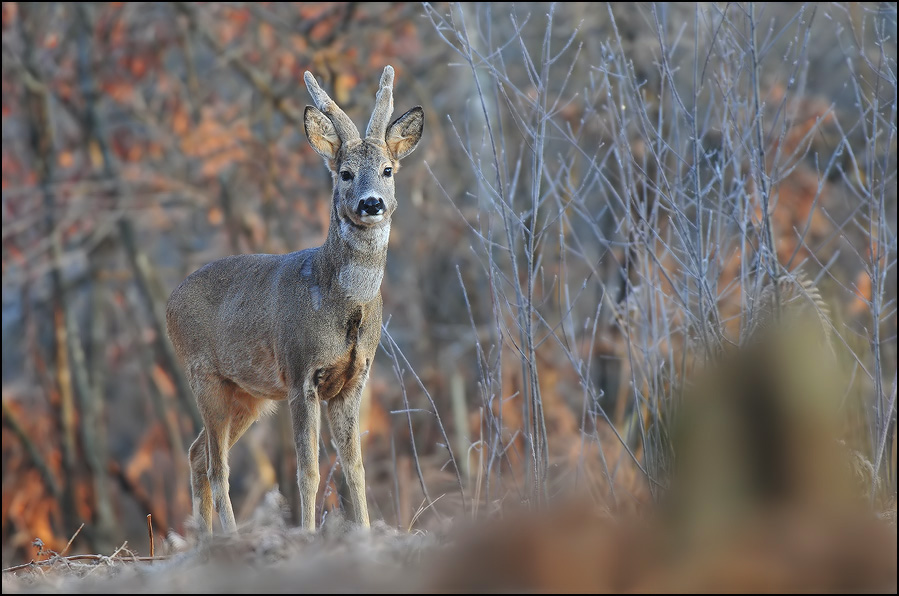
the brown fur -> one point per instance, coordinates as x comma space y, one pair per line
303, 326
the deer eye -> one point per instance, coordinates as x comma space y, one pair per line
346, 176
388, 172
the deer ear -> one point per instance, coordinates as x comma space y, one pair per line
405, 132
321, 133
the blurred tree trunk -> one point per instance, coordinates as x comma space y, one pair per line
145, 275
97, 448
42, 143
179, 504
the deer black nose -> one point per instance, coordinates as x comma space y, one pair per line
371, 206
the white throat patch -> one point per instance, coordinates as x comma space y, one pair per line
361, 283
367, 240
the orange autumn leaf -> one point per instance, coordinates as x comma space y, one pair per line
66, 159
217, 144
180, 121
143, 456
343, 85
862, 294
163, 381
266, 36
138, 66
119, 90
10, 11
376, 419
312, 11
215, 216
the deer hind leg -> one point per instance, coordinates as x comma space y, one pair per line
227, 412
199, 482
343, 416
305, 414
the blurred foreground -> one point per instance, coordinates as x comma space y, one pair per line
762, 499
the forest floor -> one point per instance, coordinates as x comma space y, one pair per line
569, 549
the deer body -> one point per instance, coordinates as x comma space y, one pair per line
254, 329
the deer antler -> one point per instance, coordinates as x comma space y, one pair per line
345, 128
380, 116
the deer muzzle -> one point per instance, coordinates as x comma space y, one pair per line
371, 206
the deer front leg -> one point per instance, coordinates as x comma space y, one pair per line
343, 416
305, 411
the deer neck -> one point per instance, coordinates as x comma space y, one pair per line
355, 257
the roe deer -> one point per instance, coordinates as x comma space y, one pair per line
253, 329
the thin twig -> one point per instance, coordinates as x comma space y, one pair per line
395, 350
72, 539
150, 533
70, 558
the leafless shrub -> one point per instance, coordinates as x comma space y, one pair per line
675, 206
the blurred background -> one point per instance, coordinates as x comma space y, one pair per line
606, 198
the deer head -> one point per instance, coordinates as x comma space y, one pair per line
362, 169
